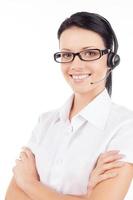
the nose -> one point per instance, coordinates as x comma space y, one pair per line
77, 63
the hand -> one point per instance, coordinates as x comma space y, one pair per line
105, 162
25, 170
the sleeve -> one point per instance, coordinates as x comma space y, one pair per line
39, 132
123, 141
35, 135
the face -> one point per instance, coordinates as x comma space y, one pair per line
77, 72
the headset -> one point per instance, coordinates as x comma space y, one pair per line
113, 58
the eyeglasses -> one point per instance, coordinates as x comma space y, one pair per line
85, 55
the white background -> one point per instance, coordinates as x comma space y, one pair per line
30, 81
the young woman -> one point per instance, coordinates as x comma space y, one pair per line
67, 142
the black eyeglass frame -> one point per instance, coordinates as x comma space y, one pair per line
101, 53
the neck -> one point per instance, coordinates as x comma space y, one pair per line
83, 99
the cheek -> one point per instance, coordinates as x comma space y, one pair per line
99, 66
64, 69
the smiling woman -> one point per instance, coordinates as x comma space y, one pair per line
71, 155
79, 71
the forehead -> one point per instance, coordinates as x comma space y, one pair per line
76, 38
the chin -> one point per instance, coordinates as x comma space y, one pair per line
82, 90
87, 90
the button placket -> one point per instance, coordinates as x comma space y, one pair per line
60, 158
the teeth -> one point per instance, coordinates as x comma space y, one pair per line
80, 77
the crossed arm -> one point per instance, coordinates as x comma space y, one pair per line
26, 186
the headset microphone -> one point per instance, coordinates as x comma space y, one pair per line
106, 76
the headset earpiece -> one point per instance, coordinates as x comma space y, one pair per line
113, 60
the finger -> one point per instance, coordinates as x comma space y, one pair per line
106, 153
13, 169
106, 176
111, 166
28, 152
18, 161
111, 158
101, 178
22, 155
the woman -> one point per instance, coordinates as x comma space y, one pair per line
68, 141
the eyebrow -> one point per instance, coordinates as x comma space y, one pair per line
83, 48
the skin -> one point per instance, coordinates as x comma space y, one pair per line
26, 185
75, 40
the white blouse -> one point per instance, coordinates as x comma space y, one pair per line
66, 151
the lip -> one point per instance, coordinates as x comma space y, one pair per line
80, 77
79, 74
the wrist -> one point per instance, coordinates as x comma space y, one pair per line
34, 190
29, 185
89, 191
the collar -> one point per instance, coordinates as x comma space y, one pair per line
65, 109
96, 112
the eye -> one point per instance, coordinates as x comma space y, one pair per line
66, 55
90, 52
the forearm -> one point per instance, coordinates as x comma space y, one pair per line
38, 191
15, 193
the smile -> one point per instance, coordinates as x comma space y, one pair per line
80, 77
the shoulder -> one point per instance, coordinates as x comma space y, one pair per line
49, 115
41, 128
121, 121
122, 111
48, 118
120, 114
